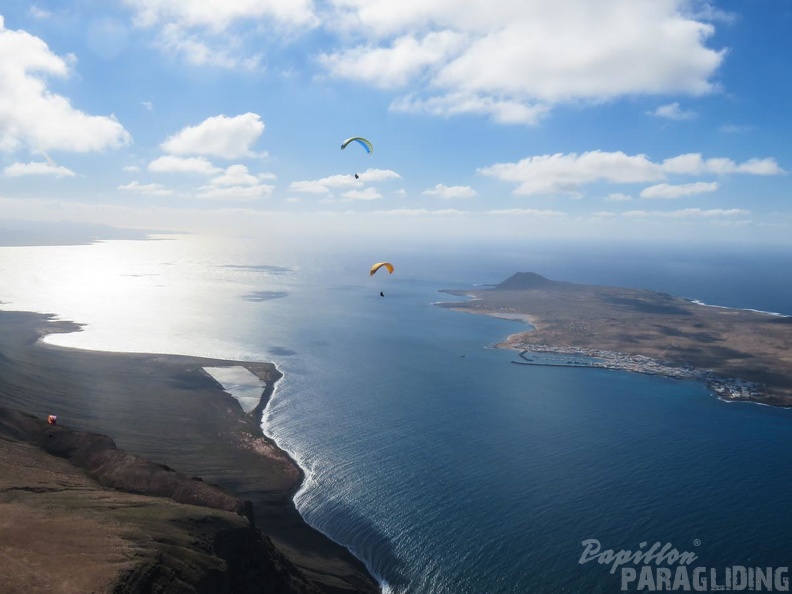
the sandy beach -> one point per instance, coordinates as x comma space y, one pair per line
167, 409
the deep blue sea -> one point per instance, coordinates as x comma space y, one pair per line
443, 466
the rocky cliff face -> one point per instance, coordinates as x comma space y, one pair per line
81, 515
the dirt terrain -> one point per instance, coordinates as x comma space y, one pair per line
731, 343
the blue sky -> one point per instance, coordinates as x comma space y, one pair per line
627, 119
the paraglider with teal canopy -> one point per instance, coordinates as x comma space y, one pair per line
362, 142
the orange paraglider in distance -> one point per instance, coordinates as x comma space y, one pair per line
379, 265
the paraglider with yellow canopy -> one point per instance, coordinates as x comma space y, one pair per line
386, 265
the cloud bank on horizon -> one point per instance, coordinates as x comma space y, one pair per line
233, 110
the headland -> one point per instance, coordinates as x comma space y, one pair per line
187, 495
743, 355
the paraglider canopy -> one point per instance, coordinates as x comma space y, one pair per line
379, 265
52, 419
361, 141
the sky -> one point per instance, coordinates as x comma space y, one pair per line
620, 119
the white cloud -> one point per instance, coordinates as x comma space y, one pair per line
37, 168
248, 192
504, 111
378, 175
33, 116
694, 163
735, 128
217, 15
364, 194
566, 173
450, 192
396, 65
417, 212
219, 136
510, 60
148, 105
672, 111
173, 164
198, 31
325, 184
153, 189
527, 212
525, 53
760, 167
618, 197
686, 213
39, 13
309, 187
236, 175
201, 52
131, 168
671, 191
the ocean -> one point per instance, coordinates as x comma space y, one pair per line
440, 464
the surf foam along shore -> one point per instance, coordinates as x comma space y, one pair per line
167, 409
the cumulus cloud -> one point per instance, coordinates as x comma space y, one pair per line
153, 189
678, 191
686, 213
236, 183
378, 175
37, 168
236, 175
218, 136
364, 194
618, 197
450, 192
528, 54
527, 212
672, 111
198, 31
417, 212
503, 111
393, 66
325, 184
247, 192
694, 163
567, 173
200, 52
33, 116
173, 164
508, 60
217, 15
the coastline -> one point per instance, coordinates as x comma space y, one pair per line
741, 355
727, 389
168, 409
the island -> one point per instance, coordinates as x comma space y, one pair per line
743, 355
151, 479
